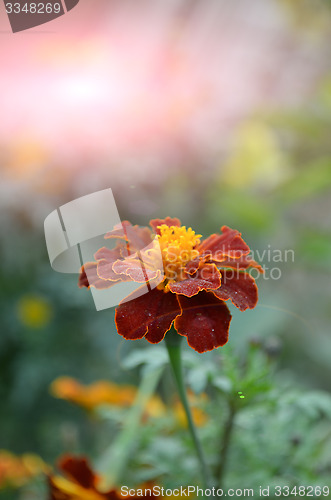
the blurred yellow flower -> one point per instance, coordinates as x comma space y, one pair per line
256, 159
16, 471
155, 407
104, 392
90, 396
34, 311
199, 416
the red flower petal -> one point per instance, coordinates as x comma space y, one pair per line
168, 221
79, 470
149, 315
89, 277
136, 237
205, 321
243, 262
106, 273
82, 477
106, 259
193, 265
240, 288
229, 243
110, 255
206, 278
135, 269
119, 230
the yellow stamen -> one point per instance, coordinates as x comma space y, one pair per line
178, 247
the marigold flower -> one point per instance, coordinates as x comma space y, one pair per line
103, 392
81, 483
198, 277
90, 396
16, 471
34, 311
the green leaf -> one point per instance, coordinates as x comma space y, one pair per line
223, 383
315, 404
151, 356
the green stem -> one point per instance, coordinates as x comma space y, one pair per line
114, 460
173, 343
225, 444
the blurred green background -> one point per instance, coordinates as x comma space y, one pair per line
210, 111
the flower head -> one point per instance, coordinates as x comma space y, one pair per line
15, 471
34, 311
102, 392
81, 483
188, 280
178, 247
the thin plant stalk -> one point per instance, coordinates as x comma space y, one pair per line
173, 343
225, 445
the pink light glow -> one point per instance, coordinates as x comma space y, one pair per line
128, 81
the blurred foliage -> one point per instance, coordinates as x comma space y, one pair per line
271, 424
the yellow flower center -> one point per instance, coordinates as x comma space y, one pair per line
178, 247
